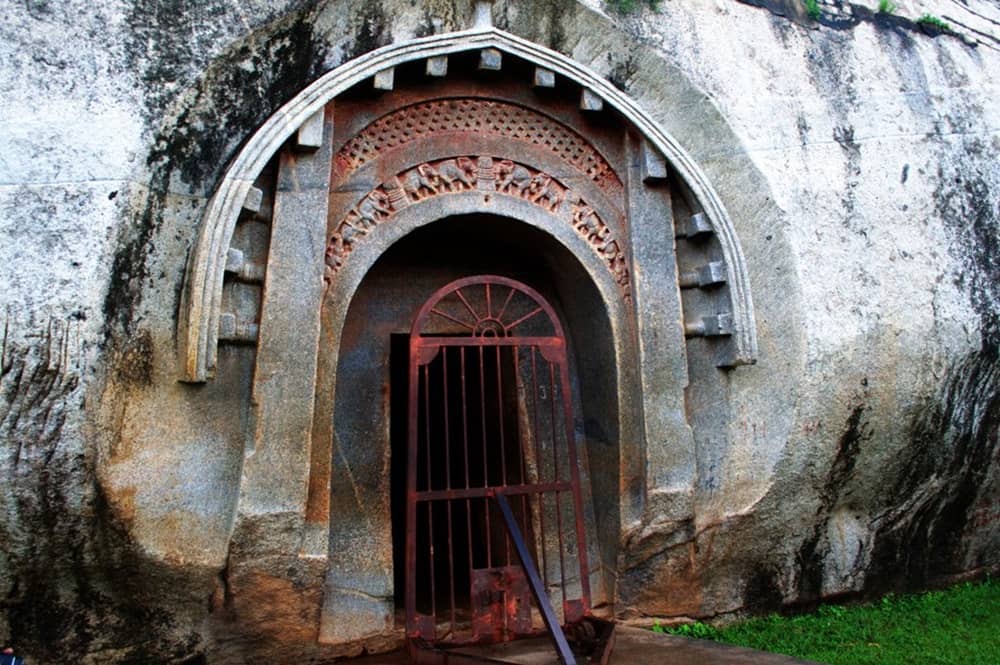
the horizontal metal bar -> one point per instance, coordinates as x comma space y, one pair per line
486, 492
554, 342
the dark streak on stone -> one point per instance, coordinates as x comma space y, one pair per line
372, 31
953, 445
134, 365
195, 142
790, 10
71, 581
622, 71
844, 137
813, 550
762, 592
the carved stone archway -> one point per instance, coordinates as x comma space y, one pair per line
200, 313
452, 126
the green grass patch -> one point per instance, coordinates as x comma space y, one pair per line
959, 626
812, 9
930, 19
886, 7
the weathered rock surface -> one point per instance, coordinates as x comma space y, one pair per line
856, 155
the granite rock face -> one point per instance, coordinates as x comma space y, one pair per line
855, 154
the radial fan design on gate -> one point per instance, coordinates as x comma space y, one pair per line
488, 309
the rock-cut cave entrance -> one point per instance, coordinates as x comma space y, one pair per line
496, 394
489, 420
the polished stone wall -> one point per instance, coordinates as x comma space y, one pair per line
148, 517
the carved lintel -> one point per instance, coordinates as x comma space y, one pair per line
437, 66
490, 59
385, 79
310, 134
485, 118
590, 101
253, 201
544, 78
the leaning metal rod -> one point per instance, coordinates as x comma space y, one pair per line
541, 597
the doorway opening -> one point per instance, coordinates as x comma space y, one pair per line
479, 408
370, 411
491, 467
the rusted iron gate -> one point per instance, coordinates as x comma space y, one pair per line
494, 508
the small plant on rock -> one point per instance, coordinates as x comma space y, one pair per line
812, 9
886, 7
933, 22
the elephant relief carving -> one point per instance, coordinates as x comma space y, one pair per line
462, 174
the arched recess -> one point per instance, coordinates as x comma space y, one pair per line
200, 311
512, 238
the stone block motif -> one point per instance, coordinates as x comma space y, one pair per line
483, 173
481, 117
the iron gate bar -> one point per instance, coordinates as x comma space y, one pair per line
537, 590
553, 343
538, 456
485, 492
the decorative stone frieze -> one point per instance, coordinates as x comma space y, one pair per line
484, 173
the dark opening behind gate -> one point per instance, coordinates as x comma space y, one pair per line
490, 423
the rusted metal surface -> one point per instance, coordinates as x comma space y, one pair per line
495, 535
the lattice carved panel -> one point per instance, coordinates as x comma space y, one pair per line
479, 117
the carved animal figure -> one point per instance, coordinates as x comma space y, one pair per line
335, 252
586, 221
609, 250
462, 170
512, 178
372, 209
349, 234
542, 190
421, 182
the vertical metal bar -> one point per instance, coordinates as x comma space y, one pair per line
503, 445
486, 468
447, 481
430, 513
411, 490
500, 413
541, 597
555, 458
522, 457
465, 459
574, 477
539, 463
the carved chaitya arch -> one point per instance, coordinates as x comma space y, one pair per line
357, 178
200, 312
